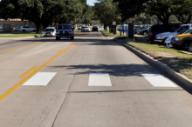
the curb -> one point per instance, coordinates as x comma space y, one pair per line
178, 78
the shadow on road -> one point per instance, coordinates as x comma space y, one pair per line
87, 41
115, 70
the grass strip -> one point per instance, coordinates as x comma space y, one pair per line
176, 59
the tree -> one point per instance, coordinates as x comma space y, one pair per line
87, 15
106, 11
130, 8
72, 11
8, 9
182, 9
163, 9
160, 8
42, 12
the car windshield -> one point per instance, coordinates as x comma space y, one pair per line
188, 31
49, 30
64, 27
182, 29
67, 27
26, 27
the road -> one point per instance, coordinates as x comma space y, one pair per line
89, 82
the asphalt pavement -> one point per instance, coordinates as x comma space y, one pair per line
89, 82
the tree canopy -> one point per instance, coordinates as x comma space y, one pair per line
129, 8
43, 12
106, 11
47, 12
163, 9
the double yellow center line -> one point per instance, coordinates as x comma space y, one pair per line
32, 71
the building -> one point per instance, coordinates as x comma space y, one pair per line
10, 25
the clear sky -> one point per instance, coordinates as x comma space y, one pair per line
91, 2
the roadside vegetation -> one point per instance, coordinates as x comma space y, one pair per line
46, 12
180, 61
107, 33
18, 35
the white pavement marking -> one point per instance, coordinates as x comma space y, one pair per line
99, 79
40, 79
158, 80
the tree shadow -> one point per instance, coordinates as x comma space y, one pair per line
119, 70
78, 40
178, 64
122, 70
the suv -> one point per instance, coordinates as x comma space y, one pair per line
65, 31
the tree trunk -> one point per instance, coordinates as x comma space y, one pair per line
131, 31
39, 27
105, 26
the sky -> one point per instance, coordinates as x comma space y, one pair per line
91, 2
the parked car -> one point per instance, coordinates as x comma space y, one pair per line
166, 37
160, 28
65, 31
142, 31
27, 29
183, 41
95, 28
49, 32
1, 28
85, 29
170, 39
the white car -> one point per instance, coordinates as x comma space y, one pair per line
171, 38
27, 29
49, 32
85, 29
167, 37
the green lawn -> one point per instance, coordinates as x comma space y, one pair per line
178, 60
108, 34
18, 35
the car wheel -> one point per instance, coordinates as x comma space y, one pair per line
186, 45
58, 38
190, 47
72, 38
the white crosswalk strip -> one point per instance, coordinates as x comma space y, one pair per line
158, 80
99, 79
40, 79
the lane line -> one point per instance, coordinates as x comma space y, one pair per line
40, 79
29, 73
99, 79
158, 80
